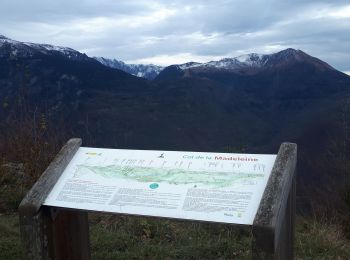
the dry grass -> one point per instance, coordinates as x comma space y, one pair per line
321, 239
27, 146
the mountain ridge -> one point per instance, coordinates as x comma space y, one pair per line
252, 63
28, 49
248, 63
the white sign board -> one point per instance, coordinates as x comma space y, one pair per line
218, 187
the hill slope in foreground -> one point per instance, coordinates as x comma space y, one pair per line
250, 104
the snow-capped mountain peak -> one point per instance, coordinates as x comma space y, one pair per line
248, 64
28, 49
148, 71
250, 61
4, 40
189, 65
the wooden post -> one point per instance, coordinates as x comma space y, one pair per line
273, 227
49, 233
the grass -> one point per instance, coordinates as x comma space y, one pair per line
10, 247
145, 238
318, 239
12, 191
123, 237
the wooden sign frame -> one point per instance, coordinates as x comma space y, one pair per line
51, 233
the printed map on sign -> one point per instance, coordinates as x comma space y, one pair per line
171, 175
188, 185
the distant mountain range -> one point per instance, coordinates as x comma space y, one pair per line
148, 71
251, 103
250, 63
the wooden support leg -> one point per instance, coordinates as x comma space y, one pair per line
34, 234
285, 244
268, 244
62, 235
273, 227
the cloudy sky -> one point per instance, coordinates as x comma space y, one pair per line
166, 32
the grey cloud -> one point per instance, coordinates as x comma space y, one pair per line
201, 28
53, 10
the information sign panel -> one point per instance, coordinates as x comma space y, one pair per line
216, 187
